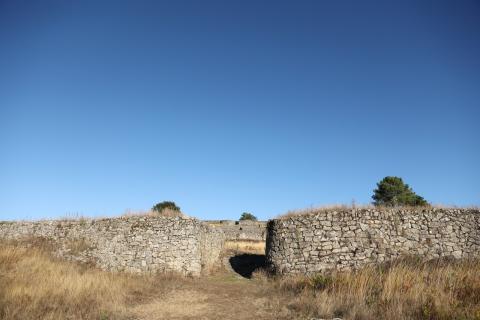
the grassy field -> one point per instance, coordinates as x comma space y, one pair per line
35, 285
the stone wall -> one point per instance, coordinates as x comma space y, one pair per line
132, 244
351, 238
241, 230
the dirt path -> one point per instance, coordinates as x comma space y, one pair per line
225, 295
215, 298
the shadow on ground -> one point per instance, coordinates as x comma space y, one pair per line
245, 264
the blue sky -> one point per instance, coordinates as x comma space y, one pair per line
232, 106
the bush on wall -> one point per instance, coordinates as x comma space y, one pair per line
248, 216
166, 205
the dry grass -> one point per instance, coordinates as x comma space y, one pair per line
34, 285
165, 213
325, 208
246, 246
406, 289
345, 207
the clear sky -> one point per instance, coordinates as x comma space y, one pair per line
232, 106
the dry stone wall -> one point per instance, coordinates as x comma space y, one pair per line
241, 230
133, 244
349, 239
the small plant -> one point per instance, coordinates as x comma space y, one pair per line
320, 281
248, 216
392, 192
83, 221
104, 315
170, 205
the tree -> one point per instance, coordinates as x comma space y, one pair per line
159, 207
392, 191
248, 216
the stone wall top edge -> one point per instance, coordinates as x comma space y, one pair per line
233, 221
109, 219
382, 212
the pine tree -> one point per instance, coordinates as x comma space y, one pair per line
392, 191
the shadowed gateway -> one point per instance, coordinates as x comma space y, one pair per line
245, 264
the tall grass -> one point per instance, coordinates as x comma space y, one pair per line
34, 285
405, 289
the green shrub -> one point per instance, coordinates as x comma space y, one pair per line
248, 216
170, 205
